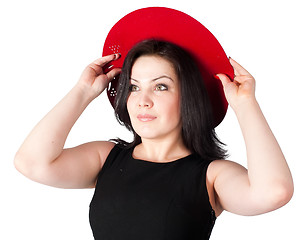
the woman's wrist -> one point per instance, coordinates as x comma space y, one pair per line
244, 105
84, 93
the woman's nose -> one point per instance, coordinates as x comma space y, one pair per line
145, 100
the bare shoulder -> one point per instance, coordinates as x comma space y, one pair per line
218, 173
76, 167
234, 192
103, 148
81, 164
218, 167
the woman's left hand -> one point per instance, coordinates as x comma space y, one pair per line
241, 89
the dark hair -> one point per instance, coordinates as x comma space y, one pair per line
196, 112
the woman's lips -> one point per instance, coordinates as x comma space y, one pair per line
146, 117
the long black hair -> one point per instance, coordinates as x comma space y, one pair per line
196, 112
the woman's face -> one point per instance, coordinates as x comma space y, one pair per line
154, 100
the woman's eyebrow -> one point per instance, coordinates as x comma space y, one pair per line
155, 79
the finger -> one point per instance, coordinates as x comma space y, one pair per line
223, 78
106, 59
238, 69
113, 73
240, 79
98, 64
228, 85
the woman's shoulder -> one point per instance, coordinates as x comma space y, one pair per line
220, 174
218, 166
110, 150
221, 167
104, 149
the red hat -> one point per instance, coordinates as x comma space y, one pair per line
181, 29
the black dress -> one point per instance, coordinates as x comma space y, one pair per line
141, 200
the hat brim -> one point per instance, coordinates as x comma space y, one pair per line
181, 29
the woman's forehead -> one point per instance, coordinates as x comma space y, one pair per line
152, 68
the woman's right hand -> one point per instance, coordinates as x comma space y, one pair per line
93, 80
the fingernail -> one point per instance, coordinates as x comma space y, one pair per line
217, 77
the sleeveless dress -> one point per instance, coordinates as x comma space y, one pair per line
141, 200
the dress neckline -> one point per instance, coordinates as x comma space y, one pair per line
159, 163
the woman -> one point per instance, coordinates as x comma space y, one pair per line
172, 181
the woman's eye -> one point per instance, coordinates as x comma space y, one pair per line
161, 87
133, 88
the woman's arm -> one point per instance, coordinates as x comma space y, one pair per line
267, 183
42, 157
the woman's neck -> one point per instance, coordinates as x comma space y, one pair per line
161, 151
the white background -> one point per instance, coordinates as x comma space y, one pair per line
45, 45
